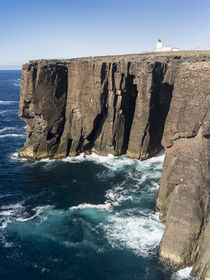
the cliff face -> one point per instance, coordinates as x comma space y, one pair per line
42, 107
185, 184
107, 105
136, 105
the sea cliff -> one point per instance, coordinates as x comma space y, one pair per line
134, 105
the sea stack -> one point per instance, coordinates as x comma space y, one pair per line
134, 105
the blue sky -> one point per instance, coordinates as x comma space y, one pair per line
65, 28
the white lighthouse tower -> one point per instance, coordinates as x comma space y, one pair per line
159, 45
161, 48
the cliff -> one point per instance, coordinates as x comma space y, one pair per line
133, 104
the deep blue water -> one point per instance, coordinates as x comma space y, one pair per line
81, 218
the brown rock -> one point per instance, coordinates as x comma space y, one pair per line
42, 107
129, 104
184, 191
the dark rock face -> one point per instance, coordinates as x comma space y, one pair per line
112, 106
135, 104
185, 184
42, 107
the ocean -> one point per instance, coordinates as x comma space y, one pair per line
81, 218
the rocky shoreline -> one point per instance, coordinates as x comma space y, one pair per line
134, 105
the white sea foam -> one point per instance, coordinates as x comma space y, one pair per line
6, 102
122, 193
100, 159
12, 135
9, 212
16, 84
83, 243
112, 162
6, 111
16, 212
79, 158
109, 161
15, 157
12, 206
155, 162
8, 244
116, 163
4, 242
38, 210
138, 234
47, 160
105, 206
3, 224
183, 274
7, 128
131, 229
5, 195
116, 196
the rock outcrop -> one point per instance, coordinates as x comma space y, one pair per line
185, 184
134, 105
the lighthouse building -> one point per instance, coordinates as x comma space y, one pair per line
161, 48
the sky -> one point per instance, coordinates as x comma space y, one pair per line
35, 29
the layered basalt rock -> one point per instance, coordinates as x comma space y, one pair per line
42, 107
185, 183
134, 105
107, 105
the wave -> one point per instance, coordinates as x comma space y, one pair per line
12, 135
16, 84
12, 206
38, 210
5, 243
5, 195
16, 213
110, 161
83, 243
7, 102
15, 157
117, 195
4, 112
9, 212
183, 274
7, 128
134, 229
130, 227
116, 163
137, 234
105, 206
113, 162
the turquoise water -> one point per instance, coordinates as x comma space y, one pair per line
79, 218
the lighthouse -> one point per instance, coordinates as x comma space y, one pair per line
161, 48
159, 45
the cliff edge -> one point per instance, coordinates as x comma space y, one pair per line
134, 105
